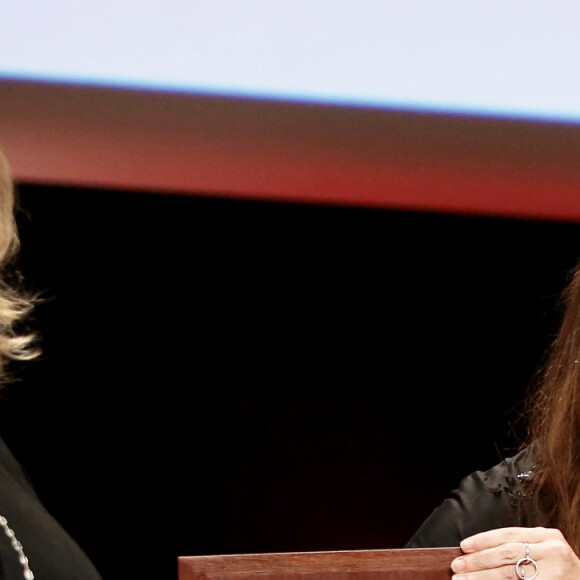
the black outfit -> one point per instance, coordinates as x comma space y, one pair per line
51, 553
485, 500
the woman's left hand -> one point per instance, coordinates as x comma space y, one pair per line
493, 555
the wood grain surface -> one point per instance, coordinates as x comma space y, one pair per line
421, 564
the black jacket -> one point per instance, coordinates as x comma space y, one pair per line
485, 500
52, 553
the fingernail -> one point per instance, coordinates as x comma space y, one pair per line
458, 577
467, 545
458, 565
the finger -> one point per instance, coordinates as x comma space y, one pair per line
490, 558
510, 554
546, 567
503, 573
497, 537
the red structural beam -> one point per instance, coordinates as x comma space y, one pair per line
82, 136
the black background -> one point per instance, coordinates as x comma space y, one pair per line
226, 376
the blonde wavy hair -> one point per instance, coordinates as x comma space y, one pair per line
14, 305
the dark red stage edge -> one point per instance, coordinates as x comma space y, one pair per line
120, 139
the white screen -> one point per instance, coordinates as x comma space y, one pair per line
491, 57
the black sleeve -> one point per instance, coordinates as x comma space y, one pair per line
484, 500
52, 553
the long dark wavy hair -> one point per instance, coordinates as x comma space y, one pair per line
554, 429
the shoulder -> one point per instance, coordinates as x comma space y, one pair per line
508, 479
483, 501
11, 471
51, 552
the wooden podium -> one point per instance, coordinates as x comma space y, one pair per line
416, 564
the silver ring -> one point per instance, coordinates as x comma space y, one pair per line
525, 561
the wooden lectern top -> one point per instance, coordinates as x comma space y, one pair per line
405, 564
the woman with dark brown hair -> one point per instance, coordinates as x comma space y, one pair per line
521, 519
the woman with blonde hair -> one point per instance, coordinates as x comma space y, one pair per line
521, 519
32, 543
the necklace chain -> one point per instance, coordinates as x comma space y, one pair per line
28, 575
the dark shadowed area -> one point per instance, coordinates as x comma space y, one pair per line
224, 376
